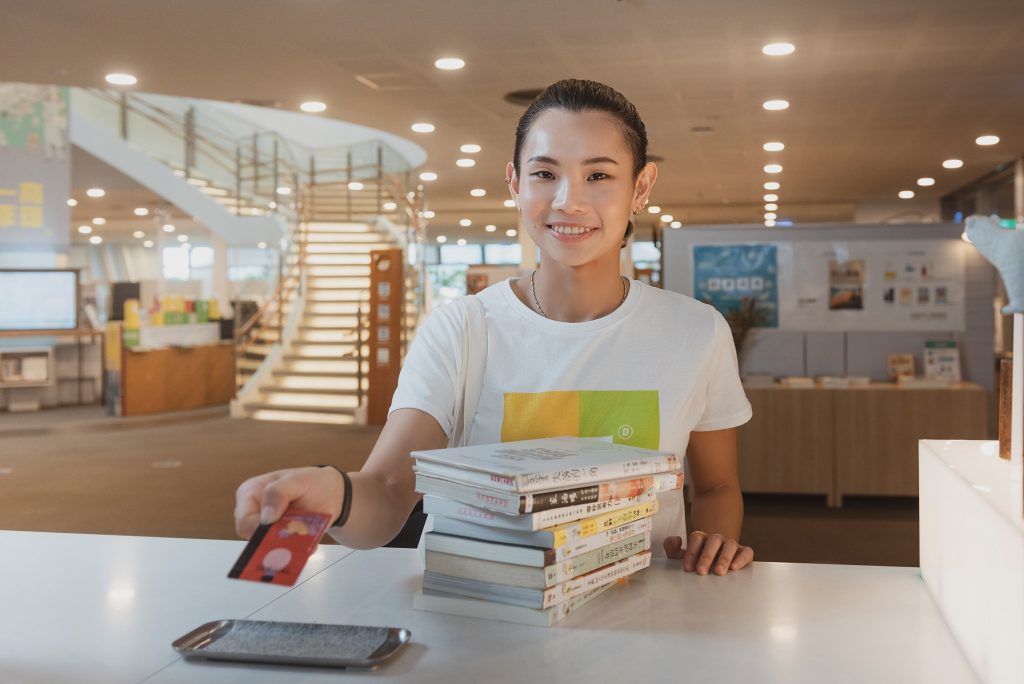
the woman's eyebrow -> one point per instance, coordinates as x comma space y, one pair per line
593, 160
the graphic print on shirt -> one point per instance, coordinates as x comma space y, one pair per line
627, 416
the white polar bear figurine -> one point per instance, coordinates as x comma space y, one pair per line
1005, 249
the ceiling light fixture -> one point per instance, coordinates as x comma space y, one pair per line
389, 206
509, 204
121, 79
428, 176
138, 234
84, 230
99, 221
470, 148
906, 194
775, 105
771, 206
778, 49
169, 228
511, 232
465, 223
261, 245
987, 140
773, 168
667, 218
465, 163
183, 238
95, 192
772, 185
450, 63
773, 147
461, 242
952, 164
654, 209
355, 185
429, 214
284, 190
147, 243
442, 239
478, 192
313, 107
770, 216
771, 198
676, 224
490, 227
72, 202
769, 223
141, 211
423, 127
925, 182
95, 239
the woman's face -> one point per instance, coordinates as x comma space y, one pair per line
575, 187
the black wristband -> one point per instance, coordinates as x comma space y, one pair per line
346, 502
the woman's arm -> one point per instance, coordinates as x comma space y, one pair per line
717, 510
383, 491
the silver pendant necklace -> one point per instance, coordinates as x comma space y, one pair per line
533, 289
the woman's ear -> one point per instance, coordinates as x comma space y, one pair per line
513, 181
644, 184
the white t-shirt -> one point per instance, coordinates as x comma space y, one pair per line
658, 367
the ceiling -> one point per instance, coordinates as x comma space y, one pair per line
881, 91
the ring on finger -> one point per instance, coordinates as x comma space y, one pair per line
700, 532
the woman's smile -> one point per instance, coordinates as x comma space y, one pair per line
570, 232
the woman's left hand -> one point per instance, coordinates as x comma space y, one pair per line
706, 551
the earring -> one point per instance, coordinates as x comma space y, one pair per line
508, 179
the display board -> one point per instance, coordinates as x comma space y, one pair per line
821, 285
38, 300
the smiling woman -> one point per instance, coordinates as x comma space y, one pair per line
573, 348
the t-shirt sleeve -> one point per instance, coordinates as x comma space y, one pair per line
726, 405
430, 374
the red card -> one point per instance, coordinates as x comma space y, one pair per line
277, 553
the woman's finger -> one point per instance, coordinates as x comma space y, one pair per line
694, 544
673, 547
712, 545
725, 557
743, 558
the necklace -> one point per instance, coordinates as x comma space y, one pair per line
533, 289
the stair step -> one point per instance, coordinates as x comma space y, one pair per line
352, 295
335, 282
353, 237
312, 374
326, 389
292, 416
267, 406
326, 366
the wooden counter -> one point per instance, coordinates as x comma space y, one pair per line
858, 440
177, 378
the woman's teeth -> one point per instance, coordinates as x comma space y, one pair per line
570, 230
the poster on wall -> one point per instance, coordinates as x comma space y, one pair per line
35, 168
725, 275
879, 285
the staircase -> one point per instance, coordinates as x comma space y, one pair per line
317, 378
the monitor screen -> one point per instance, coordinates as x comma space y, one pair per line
38, 300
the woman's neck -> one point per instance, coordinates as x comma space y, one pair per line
575, 294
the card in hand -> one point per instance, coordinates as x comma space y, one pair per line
276, 553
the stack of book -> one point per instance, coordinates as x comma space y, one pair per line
528, 531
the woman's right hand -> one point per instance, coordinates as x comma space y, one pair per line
264, 498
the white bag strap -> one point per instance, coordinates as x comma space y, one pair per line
471, 368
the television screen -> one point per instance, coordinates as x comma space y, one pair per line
38, 300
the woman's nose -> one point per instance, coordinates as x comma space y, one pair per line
569, 196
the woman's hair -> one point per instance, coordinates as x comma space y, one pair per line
576, 95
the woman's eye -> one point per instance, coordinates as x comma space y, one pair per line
598, 175
546, 175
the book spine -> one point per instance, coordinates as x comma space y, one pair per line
573, 549
491, 499
531, 521
556, 516
598, 558
565, 591
557, 479
591, 526
605, 491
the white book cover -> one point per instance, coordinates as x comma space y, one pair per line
530, 521
539, 464
503, 612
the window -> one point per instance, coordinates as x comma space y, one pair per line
202, 257
646, 252
461, 254
175, 263
497, 253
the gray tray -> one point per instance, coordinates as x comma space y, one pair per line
292, 643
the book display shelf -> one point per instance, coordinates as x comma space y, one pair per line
386, 297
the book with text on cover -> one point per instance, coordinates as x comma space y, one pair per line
503, 612
543, 464
624, 511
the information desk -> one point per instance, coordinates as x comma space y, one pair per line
859, 440
177, 378
83, 609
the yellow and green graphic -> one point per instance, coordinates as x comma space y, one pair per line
627, 416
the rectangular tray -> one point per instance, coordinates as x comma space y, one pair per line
292, 643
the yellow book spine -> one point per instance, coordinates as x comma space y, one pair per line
606, 521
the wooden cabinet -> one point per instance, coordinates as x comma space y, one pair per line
177, 378
855, 441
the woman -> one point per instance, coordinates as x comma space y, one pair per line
574, 349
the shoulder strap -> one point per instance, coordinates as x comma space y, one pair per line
471, 367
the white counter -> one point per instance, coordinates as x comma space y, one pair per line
105, 609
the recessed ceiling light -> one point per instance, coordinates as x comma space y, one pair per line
478, 192
770, 216
511, 232
771, 206
906, 194
778, 49
147, 243
987, 140
490, 227
667, 218
509, 203
449, 63
772, 185
313, 107
773, 168
169, 228
429, 213
423, 127
676, 224
465, 163
925, 182
84, 230
121, 79
952, 164
442, 239
470, 148
771, 198
775, 105
428, 176
355, 185
389, 206
284, 190
141, 211
138, 234
272, 205
769, 223
461, 242
95, 239
773, 147
261, 245
99, 221
465, 223
95, 192
183, 238
72, 202
654, 209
